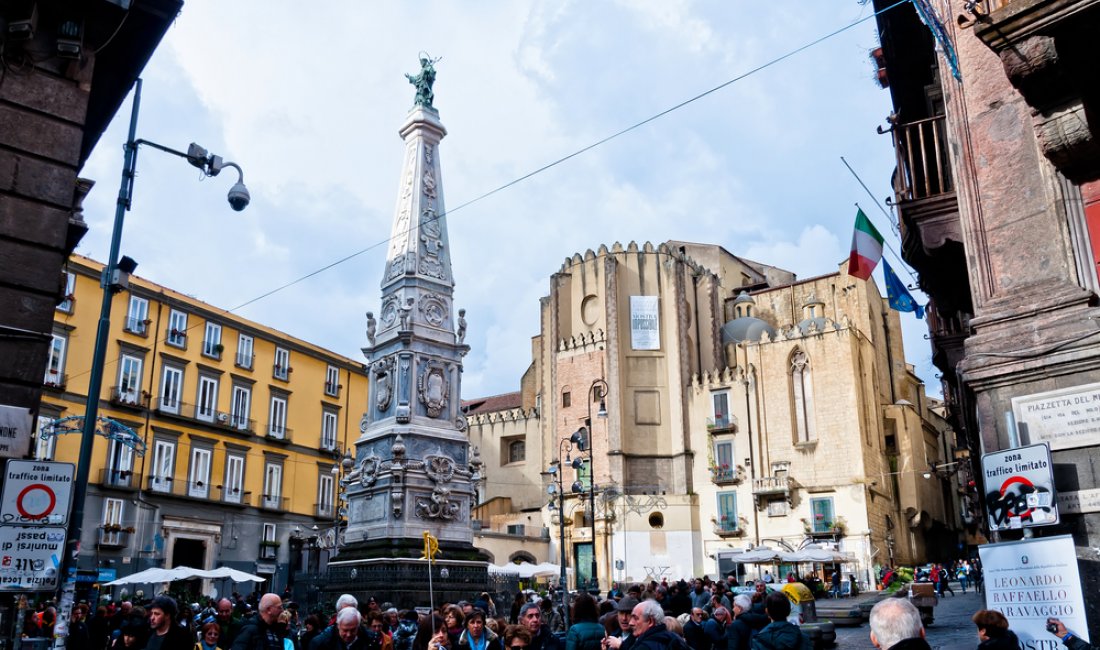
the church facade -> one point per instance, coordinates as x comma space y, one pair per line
716, 403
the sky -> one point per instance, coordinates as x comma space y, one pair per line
308, 97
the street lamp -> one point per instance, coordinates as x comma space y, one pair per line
582, 438
339, 510
115, 276
556, 488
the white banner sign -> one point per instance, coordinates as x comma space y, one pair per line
1064, 419
645, 326
1031, 580
1020, 488
30, 557
15, 431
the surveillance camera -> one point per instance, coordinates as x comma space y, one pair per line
239, 197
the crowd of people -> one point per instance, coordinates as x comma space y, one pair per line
700, 615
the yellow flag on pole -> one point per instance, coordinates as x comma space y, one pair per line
431, 547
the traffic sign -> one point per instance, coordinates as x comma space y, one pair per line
30, 557
1019, 487
37, 493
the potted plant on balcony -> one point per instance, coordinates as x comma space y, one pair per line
218, 349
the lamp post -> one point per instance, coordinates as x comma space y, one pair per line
115, 278
339, 475
557, 488
582, 438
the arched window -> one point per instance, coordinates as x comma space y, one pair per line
517, 451
802, 394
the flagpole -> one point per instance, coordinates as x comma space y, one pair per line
431, 594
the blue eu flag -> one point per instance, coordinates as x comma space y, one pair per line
896, 293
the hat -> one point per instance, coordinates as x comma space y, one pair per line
165, 604
626, 604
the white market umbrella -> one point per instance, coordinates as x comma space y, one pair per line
235, 575
757, 555
151, 576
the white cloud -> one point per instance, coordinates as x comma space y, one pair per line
309, 100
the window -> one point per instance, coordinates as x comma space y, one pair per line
66, 304
723, 469
244, 351
584, 474
170, 387
120, 465
332, 381
277, 420
802, 397
517, 451
177, 328
198, 481
269, 546
269, 533
55, 365
212, 340
325, 484
164, 462
821, 510
240, 408
206, 406
328, 430
721, 409
44, 448
137, 316
234, 478
727, 511
273, 485
566, 399
112, 522
129, 379
282, 364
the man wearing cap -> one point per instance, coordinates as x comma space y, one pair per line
260, 633
166, 634
623, 610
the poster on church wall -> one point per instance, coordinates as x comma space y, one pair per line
1065, 419
645, 328
1031, 580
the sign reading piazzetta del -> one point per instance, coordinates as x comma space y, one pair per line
1065, 419
1020, 488
1031, 580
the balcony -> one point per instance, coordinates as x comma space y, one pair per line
179, 488
139, 326
113, 536
726, 475
125, 396
212, 349
280, 372
122, 479
269, 550
207, 415
771, 486
331, 389
55, 380
245, 361
728, 526
278, 433
325, 510
274, 502
234, 496
175, 337
721, 424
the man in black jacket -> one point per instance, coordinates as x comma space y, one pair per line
530, 617
166, 634
650, 632
745, 623
260, 633
896, 625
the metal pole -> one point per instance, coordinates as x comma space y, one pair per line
99, 354
561, 544
594, 579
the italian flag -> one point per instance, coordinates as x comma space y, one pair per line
866, 248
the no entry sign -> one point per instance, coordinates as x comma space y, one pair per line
37, 493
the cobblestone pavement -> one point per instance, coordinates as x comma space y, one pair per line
952, 629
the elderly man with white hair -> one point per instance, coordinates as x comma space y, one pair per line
649, 628
896, 625
322, 640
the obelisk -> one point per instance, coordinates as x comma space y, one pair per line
413, 471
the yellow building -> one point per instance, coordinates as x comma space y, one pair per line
243, 427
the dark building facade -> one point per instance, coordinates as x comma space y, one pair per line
997, 189
65, 68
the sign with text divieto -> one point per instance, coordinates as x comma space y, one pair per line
1019, 487
30, 557
1031, 580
